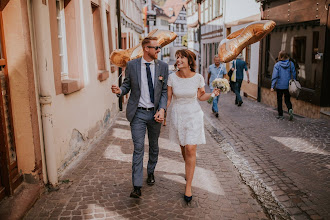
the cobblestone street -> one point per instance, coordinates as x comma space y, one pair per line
98, 186
250, 156
290, 160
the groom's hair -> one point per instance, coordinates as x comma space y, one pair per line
147, 40
190, 56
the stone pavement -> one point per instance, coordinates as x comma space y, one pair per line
98, 185
289, 160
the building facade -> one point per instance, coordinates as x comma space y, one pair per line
193, 25
176, 10
55, 79
212, 31
302, 29
236, 18
157, 19
131, 23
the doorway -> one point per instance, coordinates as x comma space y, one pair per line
10, 178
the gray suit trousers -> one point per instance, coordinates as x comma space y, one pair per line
142, 121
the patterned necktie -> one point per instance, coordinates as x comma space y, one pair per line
150, 85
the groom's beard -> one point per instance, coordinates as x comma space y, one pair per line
153, 55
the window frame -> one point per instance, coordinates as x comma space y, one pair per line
61, 36
299, 41
248, 56
315, 45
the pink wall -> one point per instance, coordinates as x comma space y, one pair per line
22, 86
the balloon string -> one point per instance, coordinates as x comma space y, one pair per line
117, 79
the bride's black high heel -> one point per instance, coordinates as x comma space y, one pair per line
187, 198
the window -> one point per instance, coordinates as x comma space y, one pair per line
211, 10
195, 6
98, 40
206, 12
315, 45
269, 64
60, 16
299, 49
248, 56
164, 22
216, 48
210, 54
202, 12
217, 8
109, 32
189, 8
65, 29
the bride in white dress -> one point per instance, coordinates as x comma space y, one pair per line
185, 88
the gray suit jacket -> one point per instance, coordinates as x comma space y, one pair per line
132, 83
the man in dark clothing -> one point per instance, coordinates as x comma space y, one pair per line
239, 64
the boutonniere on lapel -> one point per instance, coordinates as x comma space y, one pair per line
161, 78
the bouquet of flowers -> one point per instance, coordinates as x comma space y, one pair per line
221, 84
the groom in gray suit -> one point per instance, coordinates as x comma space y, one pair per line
146, 78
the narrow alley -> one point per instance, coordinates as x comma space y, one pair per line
99, 184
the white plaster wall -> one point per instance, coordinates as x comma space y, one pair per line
254, 67
193, 18
82, 110
238, 9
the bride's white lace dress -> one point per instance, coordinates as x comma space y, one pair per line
186, 116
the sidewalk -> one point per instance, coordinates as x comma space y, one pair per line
98, 186
288, 163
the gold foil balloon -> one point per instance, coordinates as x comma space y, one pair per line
233, 45
121, 57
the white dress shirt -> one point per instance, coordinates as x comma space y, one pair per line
145, 101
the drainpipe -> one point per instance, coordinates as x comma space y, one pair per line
36, 84
120, 47
260, 72
47, 124
46, 85
261, 45
199, 36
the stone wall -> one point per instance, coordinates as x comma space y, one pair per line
299, 107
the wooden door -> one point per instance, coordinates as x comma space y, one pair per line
9, 175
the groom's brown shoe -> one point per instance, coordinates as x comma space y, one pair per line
136, 193
151, 179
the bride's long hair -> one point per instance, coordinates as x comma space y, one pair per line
190, 56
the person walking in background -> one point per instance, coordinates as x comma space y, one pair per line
216, 70
185, 88
146, 78
282, 72
239, 64
231, 83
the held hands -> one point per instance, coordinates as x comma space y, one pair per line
115, 89
272, 90
159, 116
